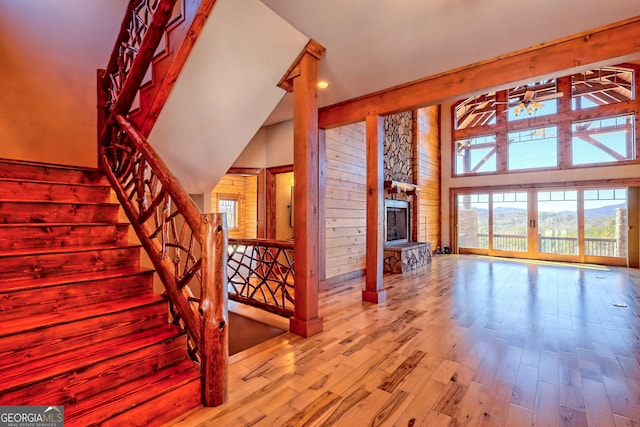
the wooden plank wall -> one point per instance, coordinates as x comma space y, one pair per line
245, 190
428, 175
345, 200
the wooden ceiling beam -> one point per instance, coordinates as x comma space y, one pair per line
615, 43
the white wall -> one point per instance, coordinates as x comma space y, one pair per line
49, 54
569, 175
254, 154
271, 146
280, 144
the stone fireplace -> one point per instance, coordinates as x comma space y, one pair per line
401, 252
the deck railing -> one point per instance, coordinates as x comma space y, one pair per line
593, 246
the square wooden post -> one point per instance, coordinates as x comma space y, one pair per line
374, 291
305, 321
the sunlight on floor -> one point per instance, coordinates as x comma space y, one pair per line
554, 263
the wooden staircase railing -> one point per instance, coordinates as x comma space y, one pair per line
261, 274
155, 40
187, 249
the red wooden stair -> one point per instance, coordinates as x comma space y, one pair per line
81, 326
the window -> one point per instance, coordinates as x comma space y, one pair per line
230, 207
604, 86
476, 155
477, 111
605, 140
537, 98
583, 120
533, 148
605, 222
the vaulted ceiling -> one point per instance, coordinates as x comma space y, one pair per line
374, 45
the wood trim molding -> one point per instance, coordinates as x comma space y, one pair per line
244, 171
312, 47
270, 199
598, 183
614, 43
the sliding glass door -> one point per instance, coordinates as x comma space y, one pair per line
510, 224
560, 224
557, 225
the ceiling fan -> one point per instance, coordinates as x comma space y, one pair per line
530, 102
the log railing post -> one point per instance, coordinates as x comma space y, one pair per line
214, 309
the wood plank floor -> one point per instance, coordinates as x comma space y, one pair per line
465, 341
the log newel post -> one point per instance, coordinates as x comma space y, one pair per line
214, 309
374, 290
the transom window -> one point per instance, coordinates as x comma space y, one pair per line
587, 119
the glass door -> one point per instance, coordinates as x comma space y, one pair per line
605, 225
556, 225
510, 223
473, 223
585, 225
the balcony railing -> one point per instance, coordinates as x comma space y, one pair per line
593, 246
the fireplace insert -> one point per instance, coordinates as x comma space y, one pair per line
396, 221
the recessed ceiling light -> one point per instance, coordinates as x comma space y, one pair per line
323, 84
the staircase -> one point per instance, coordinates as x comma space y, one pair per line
81, 326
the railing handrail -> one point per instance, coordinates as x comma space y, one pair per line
179, 195
143, 54
281, 244
167, 221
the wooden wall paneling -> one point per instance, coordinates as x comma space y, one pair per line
428, 177
374, 288
251, 206
261, 208
345, 201
270, 201
322, 184
306, 321
416, 165
244, 190
613, 43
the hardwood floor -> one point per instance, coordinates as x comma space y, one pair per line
465, 341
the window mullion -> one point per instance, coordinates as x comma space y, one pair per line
565, 160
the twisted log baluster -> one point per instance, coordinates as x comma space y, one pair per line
164, 221
260, 273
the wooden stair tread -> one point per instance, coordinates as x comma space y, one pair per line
60, 183
41, 369
49, 165
63, 250
81, 324
41, 321
127, 396
63, 224
29, 283
54, 202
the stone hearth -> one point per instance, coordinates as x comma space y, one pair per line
405, 257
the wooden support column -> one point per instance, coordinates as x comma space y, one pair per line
374, 291
305, 321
